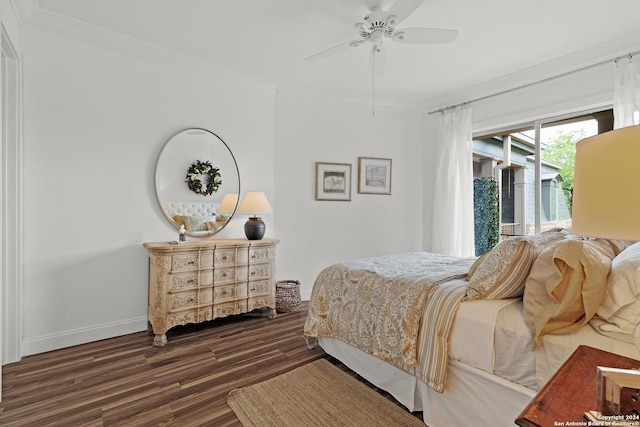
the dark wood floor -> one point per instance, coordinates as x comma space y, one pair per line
124, 381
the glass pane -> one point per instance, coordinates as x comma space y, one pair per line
517, 180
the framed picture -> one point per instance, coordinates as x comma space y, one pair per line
333, 181
374, 175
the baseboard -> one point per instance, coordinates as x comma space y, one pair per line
82, 336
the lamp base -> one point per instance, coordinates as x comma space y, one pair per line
254, 228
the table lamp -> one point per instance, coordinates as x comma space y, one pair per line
606, 188
254, 203
227, 206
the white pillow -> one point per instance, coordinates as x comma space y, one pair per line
197, 223
621, 304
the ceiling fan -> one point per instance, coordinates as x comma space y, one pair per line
380, 25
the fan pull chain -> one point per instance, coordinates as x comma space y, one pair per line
373, 88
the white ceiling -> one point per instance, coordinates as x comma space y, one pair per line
268, 39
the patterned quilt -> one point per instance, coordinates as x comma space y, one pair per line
378, 304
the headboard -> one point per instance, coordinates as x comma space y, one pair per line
199, 218
201, 209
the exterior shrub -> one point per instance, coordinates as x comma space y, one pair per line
486, 214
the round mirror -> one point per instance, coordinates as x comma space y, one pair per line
197, 182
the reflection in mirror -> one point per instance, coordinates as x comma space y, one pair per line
197, 182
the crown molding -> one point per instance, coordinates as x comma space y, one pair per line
43, 20
354, 99
23, 9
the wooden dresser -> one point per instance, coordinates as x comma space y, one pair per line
203, 280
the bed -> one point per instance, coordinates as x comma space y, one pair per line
198, 218
489, 331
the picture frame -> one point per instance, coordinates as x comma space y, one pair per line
374, 175
333, 181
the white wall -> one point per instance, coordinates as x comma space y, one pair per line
430, 131
315, 234
95, 120
592, 88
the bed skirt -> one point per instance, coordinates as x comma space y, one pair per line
464, 401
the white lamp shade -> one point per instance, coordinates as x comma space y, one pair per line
228, 204
254, 203
606, 190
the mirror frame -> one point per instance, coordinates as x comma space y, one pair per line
164, 150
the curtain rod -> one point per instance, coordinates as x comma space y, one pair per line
482, 98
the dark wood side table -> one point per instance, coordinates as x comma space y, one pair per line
572, 389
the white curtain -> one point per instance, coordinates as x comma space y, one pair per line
626, 94
453, 195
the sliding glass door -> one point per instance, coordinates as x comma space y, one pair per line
533, 166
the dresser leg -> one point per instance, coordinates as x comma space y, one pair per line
160, 340
272, 313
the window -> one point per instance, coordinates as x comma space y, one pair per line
510, 158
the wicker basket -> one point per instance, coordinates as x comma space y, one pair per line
287, 296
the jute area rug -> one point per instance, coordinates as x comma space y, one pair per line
316, 394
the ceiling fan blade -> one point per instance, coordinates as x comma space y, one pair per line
377, 60
424, 35
333, 50
337, 10
403, 8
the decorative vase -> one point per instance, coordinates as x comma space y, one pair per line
254, 228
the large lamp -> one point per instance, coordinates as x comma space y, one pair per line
254, 203
606, 187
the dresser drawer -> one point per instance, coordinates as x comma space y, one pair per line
192, 261
261, 254
229, 274
190, 299
228, 257
189, 280
259, 288
260, 271
231, 292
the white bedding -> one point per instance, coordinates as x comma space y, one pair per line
491, 335
514, 358
555, 349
